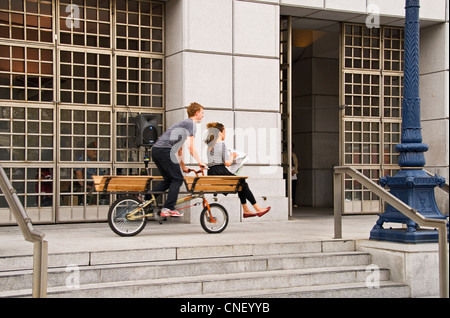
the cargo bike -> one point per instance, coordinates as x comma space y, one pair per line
128, 215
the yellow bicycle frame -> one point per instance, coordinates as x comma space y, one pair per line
132, 215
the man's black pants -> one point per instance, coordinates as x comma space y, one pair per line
171, 172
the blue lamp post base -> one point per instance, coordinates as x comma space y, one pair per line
416, 189
411, 184
402, 236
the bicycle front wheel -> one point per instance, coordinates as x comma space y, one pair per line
119, 213
214, 220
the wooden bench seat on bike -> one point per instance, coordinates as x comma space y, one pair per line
123, 183
209, 184
214, 184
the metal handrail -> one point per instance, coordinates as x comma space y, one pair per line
409, 212
40, 253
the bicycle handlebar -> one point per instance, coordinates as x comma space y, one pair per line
197, 172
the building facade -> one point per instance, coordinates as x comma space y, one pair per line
324, 75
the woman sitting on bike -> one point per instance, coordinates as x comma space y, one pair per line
219, 158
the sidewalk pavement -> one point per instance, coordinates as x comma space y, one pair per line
306, 224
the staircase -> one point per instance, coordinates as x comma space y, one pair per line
301, 269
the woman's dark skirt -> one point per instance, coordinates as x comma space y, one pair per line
245, 193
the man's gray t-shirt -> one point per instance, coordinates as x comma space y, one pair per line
176, 135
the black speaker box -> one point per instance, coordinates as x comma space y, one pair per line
146, 129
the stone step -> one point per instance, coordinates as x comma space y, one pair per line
10, 280
113, 256
329, 268
211, 284
385, 289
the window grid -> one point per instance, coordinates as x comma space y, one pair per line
26, 134
393, 92
26, 20
362, 143
125, 150
85, 135
393, 40
85, 23
35, 190
85, 78
139, 81
73, 69
362, 93
357, 197
362, 47
139, 26
26, 73
372, 91
392, 137
76, 182
356, 191
75, 201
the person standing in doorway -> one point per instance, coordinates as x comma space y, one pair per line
293, 172
167, 153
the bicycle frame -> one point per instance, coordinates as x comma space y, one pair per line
132, 215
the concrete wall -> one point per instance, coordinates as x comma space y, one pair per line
416, 265
434, 94
315, 122
388, 9
224, 55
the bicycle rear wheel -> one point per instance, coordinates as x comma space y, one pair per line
215, 220
118, 213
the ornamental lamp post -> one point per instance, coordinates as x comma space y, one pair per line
411, 184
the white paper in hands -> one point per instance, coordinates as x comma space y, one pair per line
238, 162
